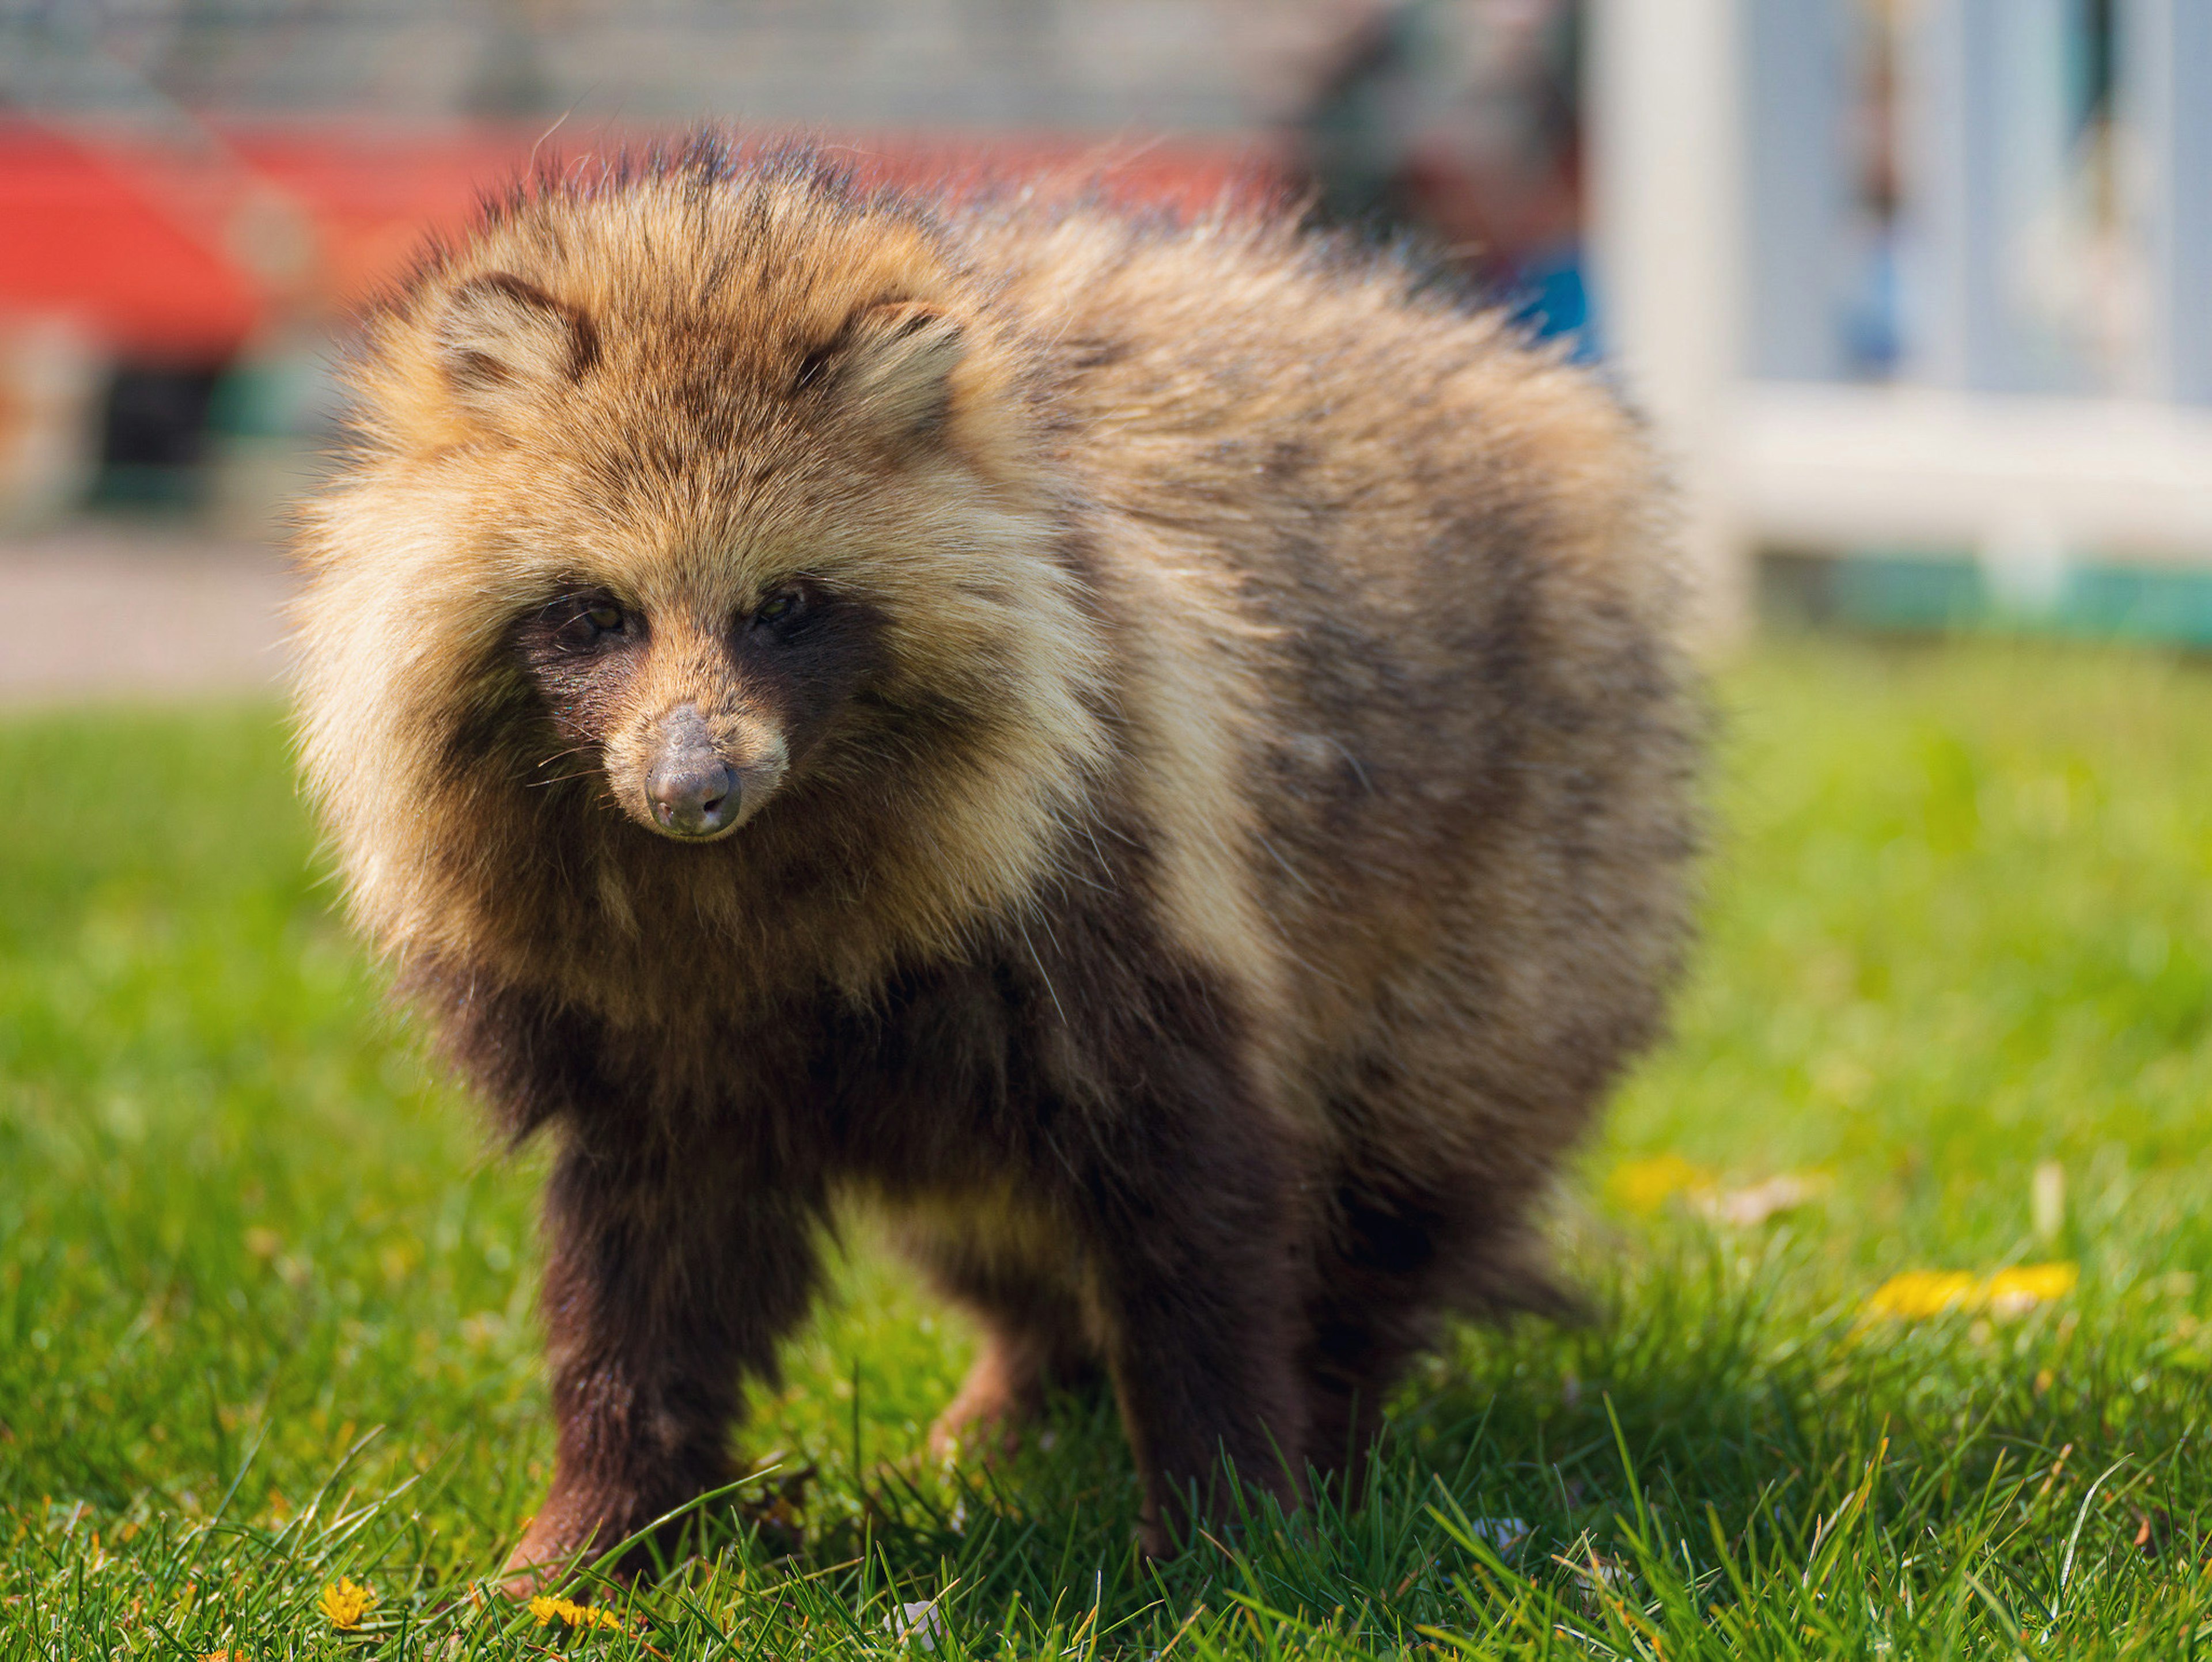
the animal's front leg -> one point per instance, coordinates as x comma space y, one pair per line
1193, 1237
670, 1276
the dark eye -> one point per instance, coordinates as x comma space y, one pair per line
778, 608
592, 623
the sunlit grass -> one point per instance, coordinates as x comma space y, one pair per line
266, 1335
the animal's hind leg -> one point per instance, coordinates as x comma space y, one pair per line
1377, 1271
1400, 1257
1034, 1338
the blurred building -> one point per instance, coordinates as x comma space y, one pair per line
1917, 292
1920, 292
1096, 66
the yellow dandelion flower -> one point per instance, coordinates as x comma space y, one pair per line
549, 1610
1645, 1185
1917, 1295
345, 1602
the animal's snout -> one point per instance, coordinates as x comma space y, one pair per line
693, 792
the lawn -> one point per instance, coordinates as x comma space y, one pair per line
266, 1318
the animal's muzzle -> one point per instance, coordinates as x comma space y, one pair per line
691, 787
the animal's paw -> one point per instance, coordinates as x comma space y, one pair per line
1001, 1398
561, 1539
974, 1422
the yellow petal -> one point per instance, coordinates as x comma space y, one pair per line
2016, 1290
345, 1601
1917, 1294
547, 1610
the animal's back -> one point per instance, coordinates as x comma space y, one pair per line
1433, 559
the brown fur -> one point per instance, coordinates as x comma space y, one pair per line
1214, 819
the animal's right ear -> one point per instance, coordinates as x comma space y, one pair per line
502, 341
891, 367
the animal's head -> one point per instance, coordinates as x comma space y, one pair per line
702, 509
719, 577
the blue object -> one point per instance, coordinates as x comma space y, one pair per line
1550, 300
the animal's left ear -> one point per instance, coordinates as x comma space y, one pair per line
891, 367
501, 339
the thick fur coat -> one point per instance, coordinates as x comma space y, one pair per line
1155, 756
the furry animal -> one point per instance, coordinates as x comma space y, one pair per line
1156, 756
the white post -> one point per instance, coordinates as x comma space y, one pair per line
1797, 79
2166, 103
1988, 137
1662, 104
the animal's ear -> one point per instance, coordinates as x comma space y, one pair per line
501, 340
892, 366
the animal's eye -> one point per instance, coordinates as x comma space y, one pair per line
592, 623
778, 608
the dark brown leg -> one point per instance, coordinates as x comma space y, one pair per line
671, 1277
1371, 1311
1191, 1241
1399, 1254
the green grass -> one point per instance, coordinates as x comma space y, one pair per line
265, 1288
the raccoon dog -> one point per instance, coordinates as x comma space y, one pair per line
1155, 757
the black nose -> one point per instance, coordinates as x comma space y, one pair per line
692, 796
693, 791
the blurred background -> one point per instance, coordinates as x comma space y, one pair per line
1916, 290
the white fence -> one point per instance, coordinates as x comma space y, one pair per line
2052, 397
